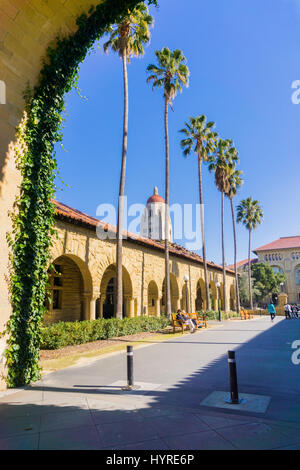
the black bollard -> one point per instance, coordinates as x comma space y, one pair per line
130, 367
234, 393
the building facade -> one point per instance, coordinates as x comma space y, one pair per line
283, 255
82, 281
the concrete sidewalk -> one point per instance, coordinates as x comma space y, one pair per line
83, 407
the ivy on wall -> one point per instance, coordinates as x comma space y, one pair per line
33, 215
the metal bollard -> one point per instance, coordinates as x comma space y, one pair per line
130, 381
234, 393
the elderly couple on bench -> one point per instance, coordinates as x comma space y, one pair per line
183, 318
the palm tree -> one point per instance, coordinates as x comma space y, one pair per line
250, 214
170, 73
200, 138
127, 39
236, 182
221, 163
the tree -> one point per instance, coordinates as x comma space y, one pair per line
266, 280
170, 73
200, 139
221, 164
244, 289
250, 214
235, 181
127, 39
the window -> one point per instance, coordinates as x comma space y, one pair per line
298, 276
277, 269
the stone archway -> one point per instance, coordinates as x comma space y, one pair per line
153, 299
200, 302
107, 301
213, 292
70, 290
232, 298
175, 301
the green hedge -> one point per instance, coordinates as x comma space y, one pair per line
213, 315
63, 334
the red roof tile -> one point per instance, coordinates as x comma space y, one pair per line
75, 216
281, 244
241, 264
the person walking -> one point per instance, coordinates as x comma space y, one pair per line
272, 310
287, 311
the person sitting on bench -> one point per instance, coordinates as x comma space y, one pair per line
185, 320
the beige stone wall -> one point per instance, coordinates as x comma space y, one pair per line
143, 266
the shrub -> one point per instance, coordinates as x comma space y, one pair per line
64, 334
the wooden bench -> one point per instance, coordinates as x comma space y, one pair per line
250, 314
193, 316
200, 318
244, 314
177, 324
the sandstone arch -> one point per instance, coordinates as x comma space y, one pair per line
153, 299
200, 302
108, 294
175, 300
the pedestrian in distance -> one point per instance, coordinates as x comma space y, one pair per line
272, 310
288, 311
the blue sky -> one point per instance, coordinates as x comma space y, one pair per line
243, 56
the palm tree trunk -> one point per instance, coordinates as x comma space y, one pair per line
167, 200
119, 311
249, 272
208, 304
223, 258
237, 291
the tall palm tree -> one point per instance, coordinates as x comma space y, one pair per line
221, 163
250, 214
127, 39
236, 182
170, 73
201, 139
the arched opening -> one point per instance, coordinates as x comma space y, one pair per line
174, 294
69, 290
213, 295
200, 302
232, 299
221, 293
184, 300
107, 302
153, 299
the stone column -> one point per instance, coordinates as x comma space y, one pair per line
131, 308
101, 302
157, 307
87, 301
92, 312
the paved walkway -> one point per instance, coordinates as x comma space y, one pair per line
83, 407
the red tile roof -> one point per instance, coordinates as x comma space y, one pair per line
241, 264
281, 244
74, 216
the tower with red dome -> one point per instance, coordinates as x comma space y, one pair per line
153, 219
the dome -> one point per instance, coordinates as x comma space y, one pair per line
155, 197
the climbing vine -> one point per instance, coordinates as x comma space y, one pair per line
33, 213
